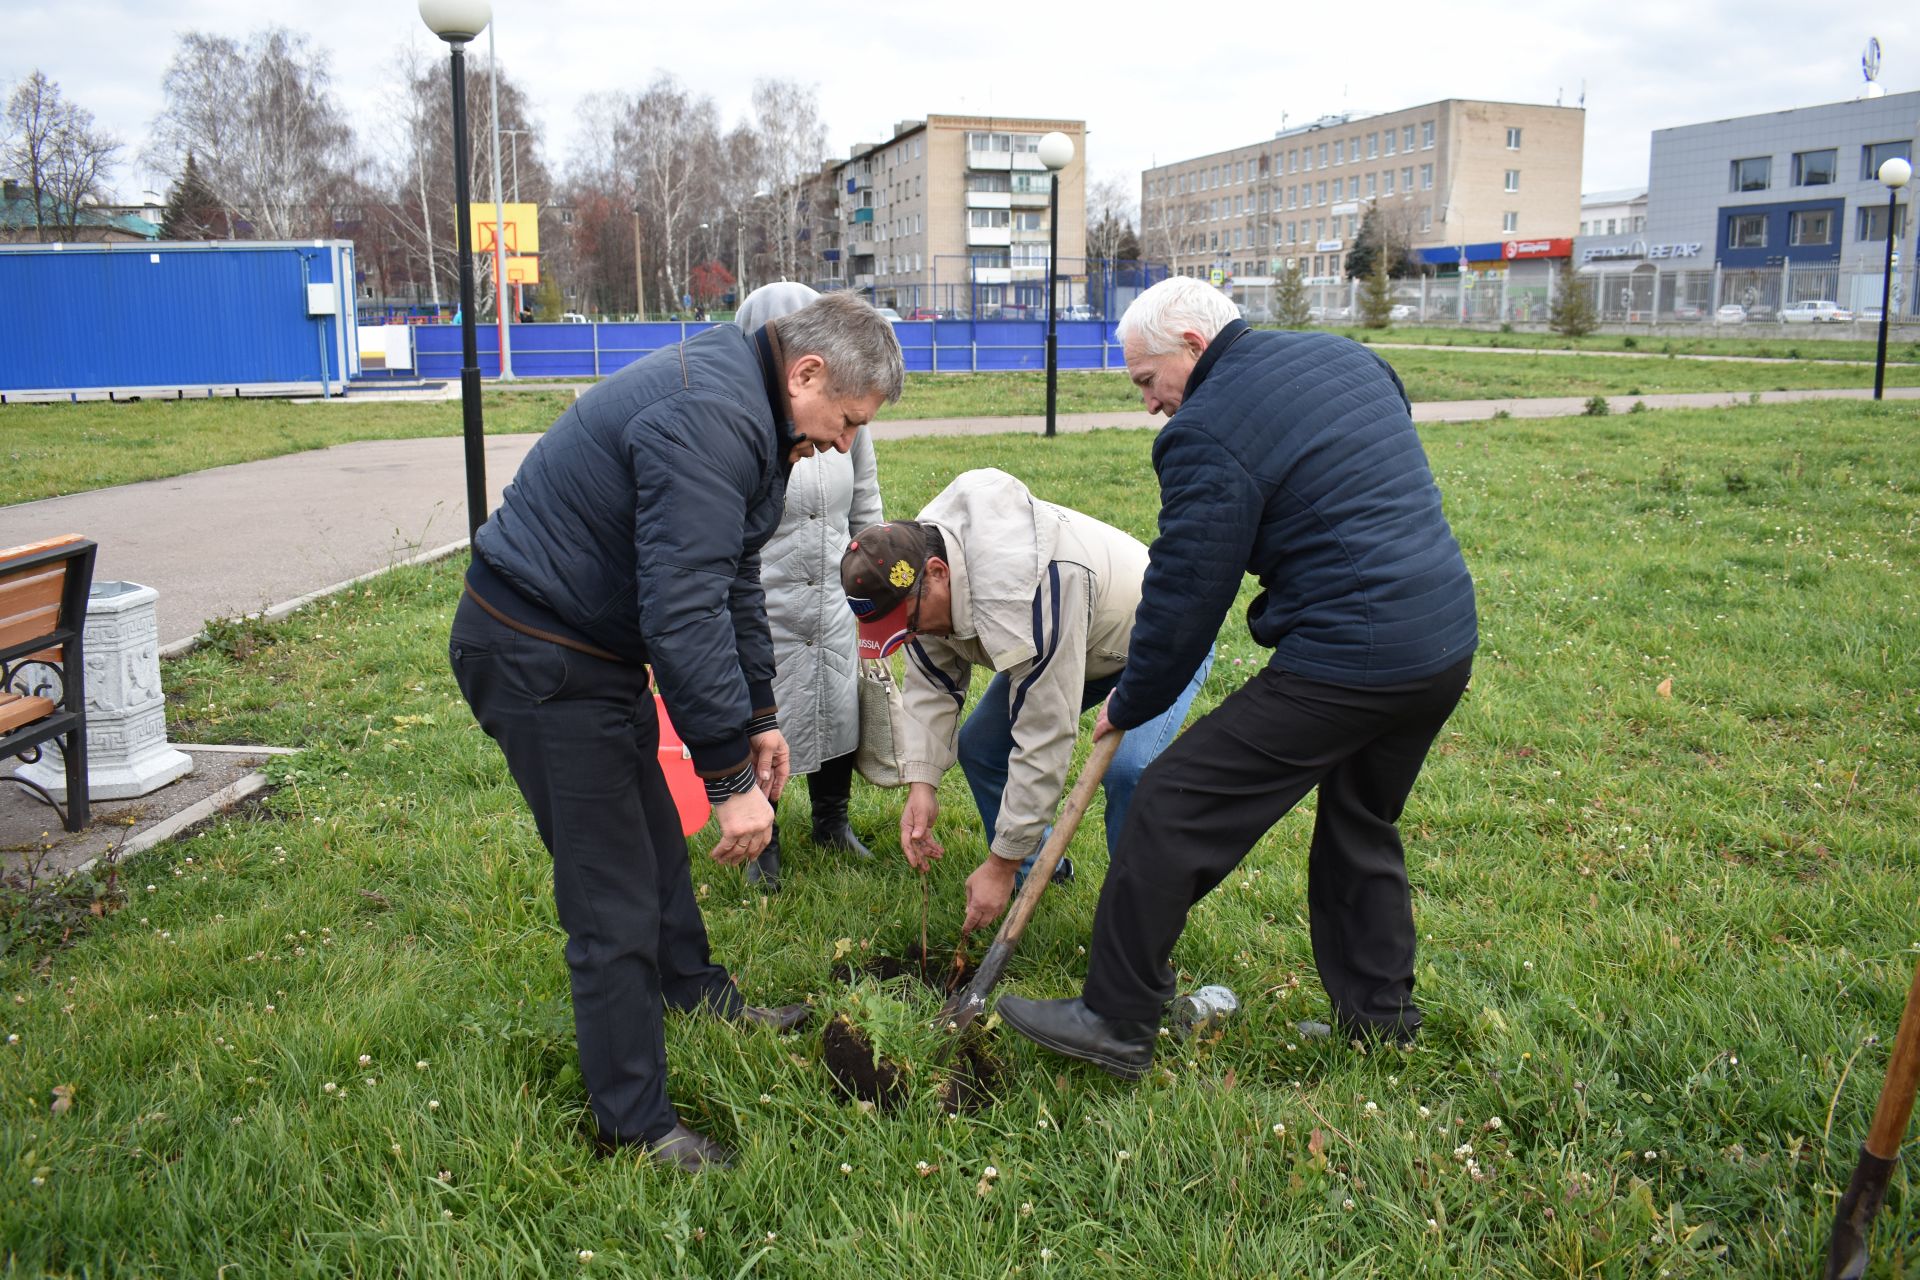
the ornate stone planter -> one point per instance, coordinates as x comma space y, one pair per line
127, 750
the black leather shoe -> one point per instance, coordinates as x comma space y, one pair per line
765, 869
831, 830
1123, 1049
788, 1017
688, 1151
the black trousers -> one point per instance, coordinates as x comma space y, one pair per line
1223, 784
582, 740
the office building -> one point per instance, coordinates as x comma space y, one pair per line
1458, 180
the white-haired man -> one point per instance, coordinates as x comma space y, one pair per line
1291, 456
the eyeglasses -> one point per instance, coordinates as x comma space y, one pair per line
919, 593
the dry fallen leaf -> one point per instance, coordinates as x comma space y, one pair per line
1665, 688
1316, 1142
62, 1099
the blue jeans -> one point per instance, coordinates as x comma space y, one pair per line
986, 746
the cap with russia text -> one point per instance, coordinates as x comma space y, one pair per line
883, 573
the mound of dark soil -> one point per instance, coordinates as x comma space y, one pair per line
967, 1085
937, 971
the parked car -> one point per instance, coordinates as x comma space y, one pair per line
1400, 311
1082, 312
1815, 311
1732, 313
572, 317
924, 313
888, 312
1688, 311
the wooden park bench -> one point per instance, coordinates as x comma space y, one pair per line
43, 613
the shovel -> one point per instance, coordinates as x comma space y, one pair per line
965, 1006
1853, 1221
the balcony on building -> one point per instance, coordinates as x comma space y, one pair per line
863, 215
995, 237
989, 160
988, 200
993, 275
863, 280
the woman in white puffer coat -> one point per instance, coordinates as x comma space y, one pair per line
828, 496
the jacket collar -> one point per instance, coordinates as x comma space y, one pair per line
1235, 330
773, 368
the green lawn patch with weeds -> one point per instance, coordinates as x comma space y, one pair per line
1781, 344
1666, 887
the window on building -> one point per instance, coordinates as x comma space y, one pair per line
1426, 217
1815, 168
1026, 143
1752, 174
1611, 228
1340, 152
1406, 178
1213, 176
1293, 162
1319, 229
989, 218
1513, 139
1426, 177
1389, 136
1406, 138
1426, 135
1373, 184
990, 142
1510, 221
1513, 180
1239, 171
989, 182
1747, 231
1320, 194
1871, 227
1810, 227
1323, 155
1386, 180
1025, 220
1213, 240
1875, 154
1373, 146
1293, 232
1237, 243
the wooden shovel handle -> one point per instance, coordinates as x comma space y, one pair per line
1903, 1076
1065, 824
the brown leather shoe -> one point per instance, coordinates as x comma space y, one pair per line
788, 1017
689, 1151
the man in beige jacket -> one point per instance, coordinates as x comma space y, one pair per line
1043, 597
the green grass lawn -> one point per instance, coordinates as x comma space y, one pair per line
1665, 880
1781, 344
67, 448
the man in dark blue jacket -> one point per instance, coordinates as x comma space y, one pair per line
1293, 457
631, 536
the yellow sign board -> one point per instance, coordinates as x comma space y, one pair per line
524, 269
521, 224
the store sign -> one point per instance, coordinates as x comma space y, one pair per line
1515, 250
1641, 249
1327, 246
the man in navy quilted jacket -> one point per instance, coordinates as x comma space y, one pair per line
630, 538
1292, 457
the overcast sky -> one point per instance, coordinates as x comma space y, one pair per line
1150, 89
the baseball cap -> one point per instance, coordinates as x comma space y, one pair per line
882, 573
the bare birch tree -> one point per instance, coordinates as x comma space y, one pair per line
263, 121
668, 143
52, 145
792, 142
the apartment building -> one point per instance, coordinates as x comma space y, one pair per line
950, 216
1461, 179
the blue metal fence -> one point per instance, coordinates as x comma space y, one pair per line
596, 350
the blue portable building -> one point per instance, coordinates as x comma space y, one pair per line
176, 318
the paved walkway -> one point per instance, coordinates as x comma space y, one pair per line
241, 539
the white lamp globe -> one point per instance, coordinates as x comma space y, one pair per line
456, 20
1894, 173
1056, 151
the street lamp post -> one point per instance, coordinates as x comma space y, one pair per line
1056, 152
1893, 175
457, 22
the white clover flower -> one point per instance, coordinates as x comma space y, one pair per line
845, 1167
366, 1059
1347, 1205
766, 1097
586, 1255
420, 1065
433, 1104
922, 1167
990, 1173
1494, 1124
1026, 1208
396, 1148
772, 1236
370, 1081
1279, 1131
1045, 1254
329, 1087
1372, 1107
1124, 1156
445, 1175
446, 1213
1425, 1112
